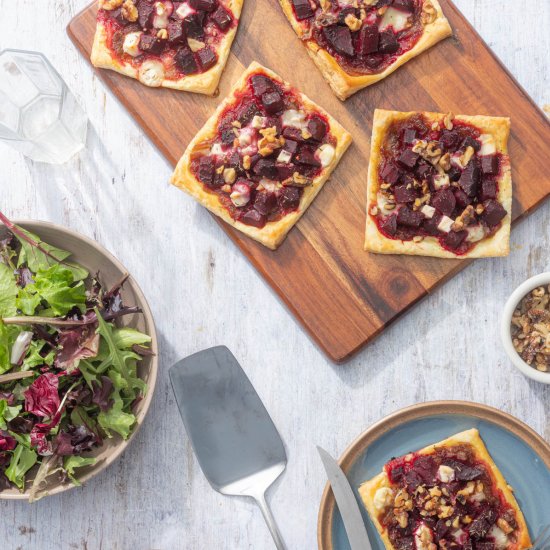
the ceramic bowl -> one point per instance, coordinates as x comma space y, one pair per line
95, 258
522, 290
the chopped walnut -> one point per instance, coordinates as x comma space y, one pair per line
247, 162
445, 162
325, 5
352, 22
429, 13
374, 211
195, 45
464, 219
300, 181
129, 11
530, 329
467, 156
448, 120
504, 526
110, 4
270, 141
229, 175
162, 34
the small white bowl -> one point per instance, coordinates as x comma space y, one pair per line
522, 290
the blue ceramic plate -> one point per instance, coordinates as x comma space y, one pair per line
522, 456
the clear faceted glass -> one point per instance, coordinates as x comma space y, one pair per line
39, 116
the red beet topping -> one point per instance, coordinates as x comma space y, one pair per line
458, 504
356, 36
416, 179
166, 37
258, 186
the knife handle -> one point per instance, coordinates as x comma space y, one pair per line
270, 520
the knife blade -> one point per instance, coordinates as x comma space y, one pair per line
347, 503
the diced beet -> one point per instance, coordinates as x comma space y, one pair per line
409, 135
266, 168
389, 224
273, 103
426, 468
290, 146
463, 472
488, 190
482, 524
340, 39
294, 134
303, 9
206, 170
423, 169
176, 34
454, 239
261, 84
145, 13
306, 155
285, 171
454, 173
403, 193
469, 180
489, 165
408, 159
234, 160
265, 202
185, 60
486, 545
390, 173
317, 127
207, 58
442, 529
253, 217
193, 25
227, 135
289, 198
367, 41
222, 18
470, 142
409, 218
462, 200
247, 112
204, 5
254, 160
449, 139
406, 5
387, 42
493, 212
444, 201
430, 225
151, 44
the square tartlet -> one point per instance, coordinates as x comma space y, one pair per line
439, 185
165, 43
262, 157
447, 495
356, 44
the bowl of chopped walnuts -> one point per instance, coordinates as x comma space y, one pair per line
525, 328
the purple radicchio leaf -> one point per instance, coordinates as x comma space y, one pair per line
73, 441
42, 396
76, 343
102, 392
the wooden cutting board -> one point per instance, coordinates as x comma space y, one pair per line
343, 296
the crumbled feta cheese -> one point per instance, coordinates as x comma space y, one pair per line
269, 185
488, 146
499, 537
456, 160
428, 211
151, 73
160, 20
216, 149
131, 43
475, 233
423, 537
284, 156
184, 10
383, 498
245, 136
445, 224
258, 122
445, 474
293, 118
325, 154
394, 18
441, 180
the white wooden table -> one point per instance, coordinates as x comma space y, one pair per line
203, 292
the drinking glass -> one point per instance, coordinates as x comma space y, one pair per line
39, 116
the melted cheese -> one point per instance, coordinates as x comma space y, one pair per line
445, 473
423, 532
270, 185
499, 536
325, 154
394, 18
216, 149
488, 146
383, 498
475, 233
293, 118
441, 180
131, 43
246, 136
258, 122
151, 73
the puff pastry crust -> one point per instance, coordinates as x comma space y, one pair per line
203, 83
497, 244
345, 84
273, 233
471, 438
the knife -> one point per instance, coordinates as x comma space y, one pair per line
347, 503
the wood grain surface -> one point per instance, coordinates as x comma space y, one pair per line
342, 295
204, 292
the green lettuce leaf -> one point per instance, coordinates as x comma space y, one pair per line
5, 348
22, 461
36, 260
115, 419
125, 338
55, 286
33, 357
7, 413
73, 462
8, 292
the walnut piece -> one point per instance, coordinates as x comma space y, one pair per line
110, 4
130, 12
429, 13
352, 22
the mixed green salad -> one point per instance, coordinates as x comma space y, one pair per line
68, 374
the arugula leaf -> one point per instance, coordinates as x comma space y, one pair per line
8, 292
115, 419
7, 413
73, 462
22, 461
37, 260
34, 358
55, 286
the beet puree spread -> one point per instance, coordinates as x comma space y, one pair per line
183, 35
364, 37
439, 181
446, 500
266, 150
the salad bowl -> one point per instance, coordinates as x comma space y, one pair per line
95, 258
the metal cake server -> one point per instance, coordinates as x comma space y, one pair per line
347, 503
236, 443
